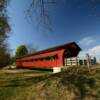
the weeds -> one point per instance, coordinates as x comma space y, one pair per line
74, 83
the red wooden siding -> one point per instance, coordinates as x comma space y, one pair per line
42, 60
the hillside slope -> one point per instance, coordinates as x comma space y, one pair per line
76, 83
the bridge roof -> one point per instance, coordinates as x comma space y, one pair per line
63, 46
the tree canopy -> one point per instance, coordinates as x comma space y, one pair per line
21, 51
4, 31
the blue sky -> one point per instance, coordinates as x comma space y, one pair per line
72, 20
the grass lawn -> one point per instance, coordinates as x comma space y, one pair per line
76, 83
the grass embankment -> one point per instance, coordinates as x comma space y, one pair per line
76, 83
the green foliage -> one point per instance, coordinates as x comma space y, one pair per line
4, 60
21, 51
4, 31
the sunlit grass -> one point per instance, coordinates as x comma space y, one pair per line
75, 82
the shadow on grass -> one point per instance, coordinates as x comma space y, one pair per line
80, 79
24, 82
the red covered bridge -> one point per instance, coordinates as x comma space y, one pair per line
49, 59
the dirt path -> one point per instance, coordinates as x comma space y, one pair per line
25, 72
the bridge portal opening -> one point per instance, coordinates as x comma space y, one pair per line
70, 57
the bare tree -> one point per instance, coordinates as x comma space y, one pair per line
31, 48
42, 6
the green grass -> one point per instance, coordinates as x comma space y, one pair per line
78, 83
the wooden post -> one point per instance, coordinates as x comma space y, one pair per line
88, 57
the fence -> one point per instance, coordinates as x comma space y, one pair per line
76, 61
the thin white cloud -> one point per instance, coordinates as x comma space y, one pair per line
87, 41
94, 52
